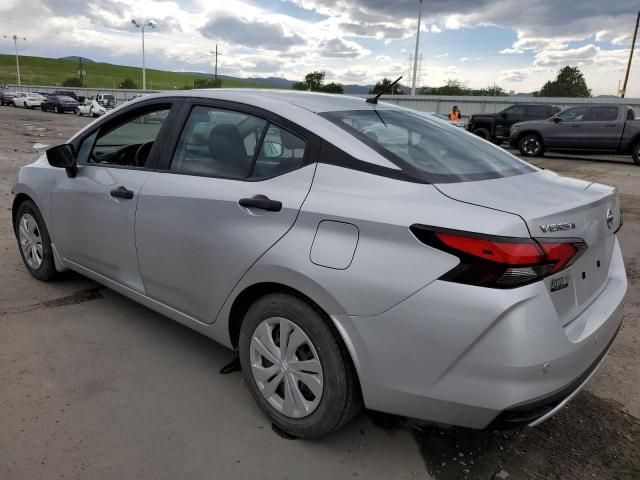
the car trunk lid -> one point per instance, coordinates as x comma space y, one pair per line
557, 207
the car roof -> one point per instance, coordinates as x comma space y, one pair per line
270, 99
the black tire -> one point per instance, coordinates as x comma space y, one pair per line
530, 145
635, 153
77, 112
341, 398
483, 133
47, 269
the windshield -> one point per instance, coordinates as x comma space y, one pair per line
428, 148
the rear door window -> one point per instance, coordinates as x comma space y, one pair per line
603, 114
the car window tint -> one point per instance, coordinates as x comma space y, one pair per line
281, 152
604, 114
218, 142
515, 111
428, 148
540, 111
574, 114
129, 143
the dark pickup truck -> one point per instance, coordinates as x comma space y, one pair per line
495, 127
589, 129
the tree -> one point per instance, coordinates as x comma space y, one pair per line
384, 86
569, 83
332, 88
207, 83
72, 82
314, 82
128, 84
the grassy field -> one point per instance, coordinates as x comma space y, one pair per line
52, 72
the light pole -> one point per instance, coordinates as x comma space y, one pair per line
142, 26
415, 57
15, 43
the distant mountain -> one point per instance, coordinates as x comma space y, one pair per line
76, 58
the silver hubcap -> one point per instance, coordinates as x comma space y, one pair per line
30, 241
531, 145
286, 367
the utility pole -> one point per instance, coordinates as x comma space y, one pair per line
633, 44
142, 26
415, 57
15, 44
215, 71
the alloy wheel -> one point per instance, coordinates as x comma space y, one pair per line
531, 146
286, 367
30, 241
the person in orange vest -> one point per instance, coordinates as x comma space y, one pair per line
455, 114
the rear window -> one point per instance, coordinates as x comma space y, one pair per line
428, 148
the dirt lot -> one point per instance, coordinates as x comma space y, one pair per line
95, 386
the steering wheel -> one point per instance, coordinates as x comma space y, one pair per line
142, 154
123, 155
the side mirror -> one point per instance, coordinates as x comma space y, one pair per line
557, 119
63, 156
503, 114
272, 149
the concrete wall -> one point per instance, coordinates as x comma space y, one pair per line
424, 103
472, 105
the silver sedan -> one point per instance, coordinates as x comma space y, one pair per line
350, 252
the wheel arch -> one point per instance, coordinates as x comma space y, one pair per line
18, 200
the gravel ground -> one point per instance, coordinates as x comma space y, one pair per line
95, 386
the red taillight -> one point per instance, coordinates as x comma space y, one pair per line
500, 262
511, 253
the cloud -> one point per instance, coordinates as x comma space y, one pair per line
338, 48
377, 30
250, 33
441, 55
513, 75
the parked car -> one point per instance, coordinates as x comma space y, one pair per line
28, 100
598, 128
59, 104
65, 93
90, 107
6, 97
496, 127
106, 100
349, 252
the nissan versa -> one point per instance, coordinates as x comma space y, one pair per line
351, 252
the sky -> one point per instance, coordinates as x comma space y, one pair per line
515, 44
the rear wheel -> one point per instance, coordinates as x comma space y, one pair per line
635, 153
530, 145
483, 133
34, 242
296, 367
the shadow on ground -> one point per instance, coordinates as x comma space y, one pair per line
591, 438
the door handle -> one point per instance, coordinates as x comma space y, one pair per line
610, 125
121, 192
262, 202
576, 126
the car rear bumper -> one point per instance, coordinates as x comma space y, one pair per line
470, 356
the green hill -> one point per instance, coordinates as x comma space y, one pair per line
53, 71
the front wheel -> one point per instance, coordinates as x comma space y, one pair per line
635, 153
296, 366
530, 145
34, 242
